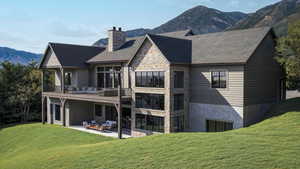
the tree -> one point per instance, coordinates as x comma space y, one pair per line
288, 54
29, 92
20, 93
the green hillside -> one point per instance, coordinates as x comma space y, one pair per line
273, 143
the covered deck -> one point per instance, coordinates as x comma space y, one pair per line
82, 104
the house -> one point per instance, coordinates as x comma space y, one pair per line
169, 82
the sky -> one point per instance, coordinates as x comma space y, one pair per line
29, 25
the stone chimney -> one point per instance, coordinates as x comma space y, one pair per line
116, 38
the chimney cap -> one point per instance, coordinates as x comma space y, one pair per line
120, 29
114, 28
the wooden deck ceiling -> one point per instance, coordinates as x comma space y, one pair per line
86, 97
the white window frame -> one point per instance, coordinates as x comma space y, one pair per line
219, 70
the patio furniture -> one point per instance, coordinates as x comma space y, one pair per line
85, 124
109, 125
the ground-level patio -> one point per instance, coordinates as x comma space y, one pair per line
84, 115
108, 133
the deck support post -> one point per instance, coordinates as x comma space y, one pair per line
43, 110
43, 98
119, 109
63, 111
62, 80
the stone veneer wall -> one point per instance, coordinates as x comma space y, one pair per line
149, 58
116, 39
51, 60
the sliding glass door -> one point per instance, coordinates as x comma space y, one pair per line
108, 77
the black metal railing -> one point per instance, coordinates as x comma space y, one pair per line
114, 92
52, 88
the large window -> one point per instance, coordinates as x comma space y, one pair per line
178, 79
68, 78
218, 126
178, 102
108, 77
150, 79
218, 79
150, 101
151, 123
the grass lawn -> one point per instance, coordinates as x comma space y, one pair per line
271, 144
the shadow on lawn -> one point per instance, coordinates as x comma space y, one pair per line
289, 105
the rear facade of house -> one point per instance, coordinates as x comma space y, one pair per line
170, 82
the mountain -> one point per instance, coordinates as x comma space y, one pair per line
200, 19
18, 56
277, 15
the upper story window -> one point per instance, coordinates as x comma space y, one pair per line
178, 79
218, 79
68, 78
150, 101
178, 102
108, 76
150, 79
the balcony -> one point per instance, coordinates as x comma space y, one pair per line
109, 92
89, 94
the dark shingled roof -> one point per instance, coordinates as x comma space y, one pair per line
232, 47
126, 51
74, 55
174, 49
226, 47
121, 55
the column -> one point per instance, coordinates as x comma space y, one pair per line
43, 110
63, 111
62, 81
119, 109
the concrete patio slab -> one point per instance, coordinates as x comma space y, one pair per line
103, 133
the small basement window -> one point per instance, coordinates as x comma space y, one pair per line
218, 126
218, 79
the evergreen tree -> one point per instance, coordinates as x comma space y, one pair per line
288, 54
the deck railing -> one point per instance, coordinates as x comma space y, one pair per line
109, 92
114, 92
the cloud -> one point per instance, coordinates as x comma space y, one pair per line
20, 42
72, 31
